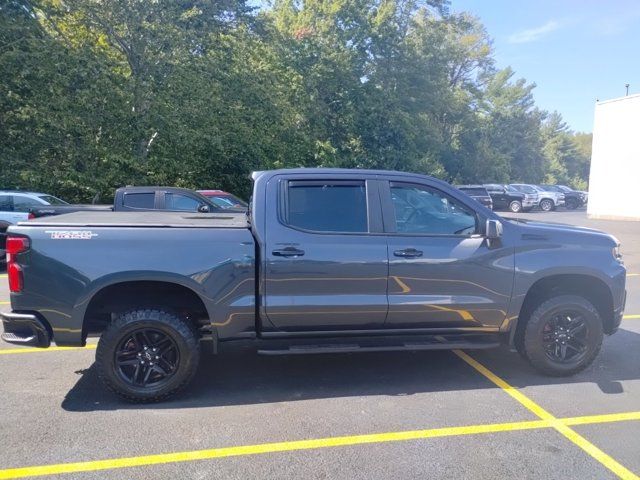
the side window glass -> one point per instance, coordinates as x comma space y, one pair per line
327, 206
423, 210
6, 203
139, 200
24, 204
176, 201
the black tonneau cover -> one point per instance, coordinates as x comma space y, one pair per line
143, 219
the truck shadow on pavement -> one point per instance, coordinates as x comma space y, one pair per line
241, 377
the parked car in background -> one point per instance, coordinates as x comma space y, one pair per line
15, 206
224, 199
547, 201
142, 199
506, 198
478, 193
572, 198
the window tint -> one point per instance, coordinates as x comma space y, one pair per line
327, 207
177, 201
24, 204
428, 211
139, 200
6, 203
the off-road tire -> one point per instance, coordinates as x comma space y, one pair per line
179, 330
531, 345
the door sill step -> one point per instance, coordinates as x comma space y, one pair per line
367, 345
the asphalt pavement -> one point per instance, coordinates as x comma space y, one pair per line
474, 414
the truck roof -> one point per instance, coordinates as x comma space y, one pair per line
143, 219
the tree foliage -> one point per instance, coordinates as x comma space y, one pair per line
97, 94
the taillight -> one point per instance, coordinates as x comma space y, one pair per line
14, 246
31, 216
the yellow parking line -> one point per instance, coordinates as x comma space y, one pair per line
630, 317
4, 303
297, 445
633, 274
558, 425
9, 351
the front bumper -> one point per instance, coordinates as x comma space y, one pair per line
24, 329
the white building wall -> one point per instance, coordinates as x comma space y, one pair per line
614, 179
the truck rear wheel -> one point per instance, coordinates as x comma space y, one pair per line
515, 206
147, 355
562, 336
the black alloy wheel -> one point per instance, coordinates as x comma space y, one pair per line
565, 337
147, 358
562, 336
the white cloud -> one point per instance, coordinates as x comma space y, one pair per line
534, 34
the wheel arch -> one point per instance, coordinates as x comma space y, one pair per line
118, 295
594, 289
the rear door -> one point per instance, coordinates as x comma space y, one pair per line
443, 273
325, 260
499, 196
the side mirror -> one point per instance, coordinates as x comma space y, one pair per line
493, 229
204, 209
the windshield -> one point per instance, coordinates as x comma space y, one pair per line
51, 200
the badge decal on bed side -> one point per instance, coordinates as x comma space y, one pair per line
71, 234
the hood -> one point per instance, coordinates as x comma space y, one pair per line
531, 229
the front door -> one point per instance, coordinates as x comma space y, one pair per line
324, 268
442, 272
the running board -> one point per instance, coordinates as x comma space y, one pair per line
367, 345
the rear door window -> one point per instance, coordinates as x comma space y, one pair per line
318, 206
140, 200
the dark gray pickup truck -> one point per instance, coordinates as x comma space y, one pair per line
326, 260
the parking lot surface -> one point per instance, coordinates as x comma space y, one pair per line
474, 414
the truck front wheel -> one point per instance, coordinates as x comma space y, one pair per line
147, 355
563, 335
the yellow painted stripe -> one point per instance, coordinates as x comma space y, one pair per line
630, 317
633, 274
606, 460
3, 275
4, 303
10, 351
268, 448
189, 456
607, 418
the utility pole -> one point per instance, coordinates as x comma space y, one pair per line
626, 85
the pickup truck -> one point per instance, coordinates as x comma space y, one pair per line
143, 199
327, 260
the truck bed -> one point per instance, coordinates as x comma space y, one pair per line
142, 219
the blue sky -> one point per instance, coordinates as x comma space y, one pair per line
576, 51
